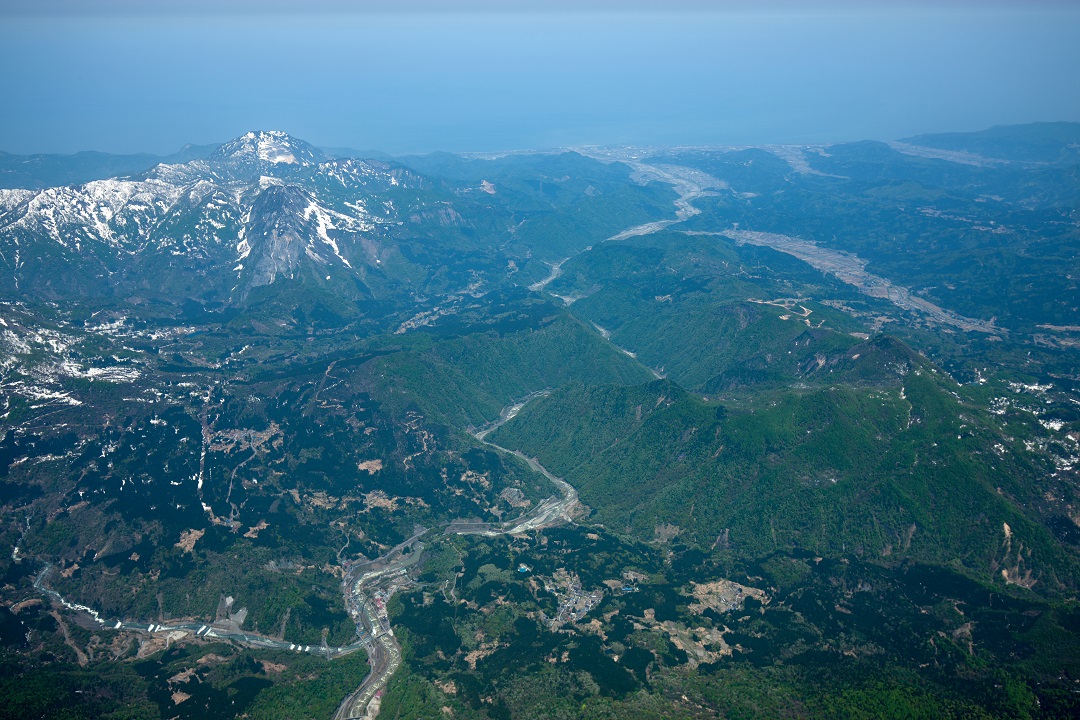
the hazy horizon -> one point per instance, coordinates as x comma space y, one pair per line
121, 80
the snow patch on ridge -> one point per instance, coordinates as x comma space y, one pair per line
323, 223
269, 146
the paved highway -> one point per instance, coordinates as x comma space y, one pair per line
366, 587
207, 630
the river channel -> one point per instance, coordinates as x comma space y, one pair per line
367, 586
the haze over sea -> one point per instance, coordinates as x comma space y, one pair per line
417, 77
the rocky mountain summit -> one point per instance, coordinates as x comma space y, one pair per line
261, 207
268, 146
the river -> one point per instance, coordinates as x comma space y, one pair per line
368, 584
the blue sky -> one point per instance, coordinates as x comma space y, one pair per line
404, 77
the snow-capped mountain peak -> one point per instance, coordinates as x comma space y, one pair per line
269, 146
263, 206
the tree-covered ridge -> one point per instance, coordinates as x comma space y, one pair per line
907, 471
812, 487
825, 638
465, 381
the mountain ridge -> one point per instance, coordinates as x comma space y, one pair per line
234, 386
210, 209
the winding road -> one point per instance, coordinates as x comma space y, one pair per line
367, 585
215, 630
